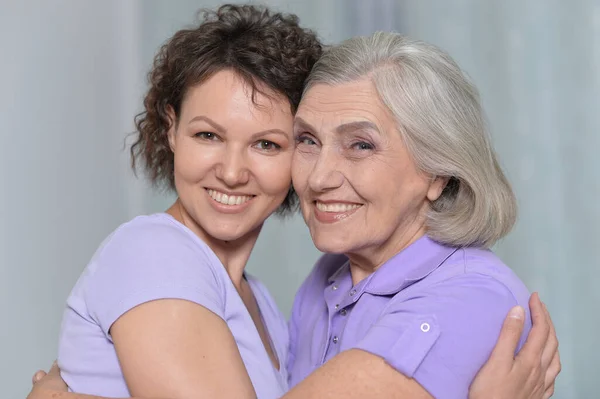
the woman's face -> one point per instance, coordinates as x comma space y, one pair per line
360, 191
232, 156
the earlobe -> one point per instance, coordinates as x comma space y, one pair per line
436, 187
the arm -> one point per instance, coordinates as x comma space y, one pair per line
357, 374
531, 374
51, 386
178, 349
533, 371
159, 298
397, 358
504, 376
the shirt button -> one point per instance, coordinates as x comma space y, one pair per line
337, 306
335, 339
352, 292
343, 312
425, 327
334, 287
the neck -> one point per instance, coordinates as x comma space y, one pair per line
233, 255
366, 261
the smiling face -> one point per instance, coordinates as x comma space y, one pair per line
232, 157
360, 192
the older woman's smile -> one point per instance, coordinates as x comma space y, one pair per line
334, 211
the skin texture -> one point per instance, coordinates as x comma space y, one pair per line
349, 151
328, 166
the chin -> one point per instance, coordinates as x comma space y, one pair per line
228, 233
330, 244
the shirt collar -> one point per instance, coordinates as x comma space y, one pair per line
412, 264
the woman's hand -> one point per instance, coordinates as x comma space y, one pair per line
45, 384
532, 373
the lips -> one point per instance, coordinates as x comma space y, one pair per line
331, 212
336, 207
228, 199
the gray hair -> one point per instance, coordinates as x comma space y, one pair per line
440, 120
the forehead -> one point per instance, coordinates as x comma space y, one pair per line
343, 103
225, 95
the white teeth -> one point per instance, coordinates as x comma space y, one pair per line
336, 208
228, 199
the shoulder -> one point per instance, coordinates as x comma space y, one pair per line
441, 329
479, 272
155, 232
153, 239
152, 257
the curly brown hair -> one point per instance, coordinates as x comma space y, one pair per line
265, 49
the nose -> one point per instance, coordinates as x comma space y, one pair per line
233, 168
325, 174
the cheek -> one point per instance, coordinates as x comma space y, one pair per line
273, 174
191, 164
301, 167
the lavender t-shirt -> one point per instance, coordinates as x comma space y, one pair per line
433, 312
154, 257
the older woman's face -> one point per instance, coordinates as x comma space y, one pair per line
360, 191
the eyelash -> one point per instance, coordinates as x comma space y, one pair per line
274, 146
302, 138
369, 146
203, 135
271, 146
366, 146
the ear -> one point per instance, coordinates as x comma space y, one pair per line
436, 187
172, 127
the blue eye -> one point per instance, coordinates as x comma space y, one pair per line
363, 146
305, 140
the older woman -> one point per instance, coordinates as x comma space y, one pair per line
364, 195
400, 185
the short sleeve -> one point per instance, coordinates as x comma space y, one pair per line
443, 336
146, 261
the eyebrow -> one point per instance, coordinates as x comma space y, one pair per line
206, 119
356, 126
341, 129
301, 124
221, 129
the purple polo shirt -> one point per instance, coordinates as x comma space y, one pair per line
433, 313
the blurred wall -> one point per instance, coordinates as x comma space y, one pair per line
69, 85
72, 75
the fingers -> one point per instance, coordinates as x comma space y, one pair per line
551, 347
538, 336
510, 334
551, 373
549, 392
54, 370
37, 376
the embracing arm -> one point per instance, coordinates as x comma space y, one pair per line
531, 374
504, 376
533, 371
357, 374
178, 349
173, 349
160, 298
